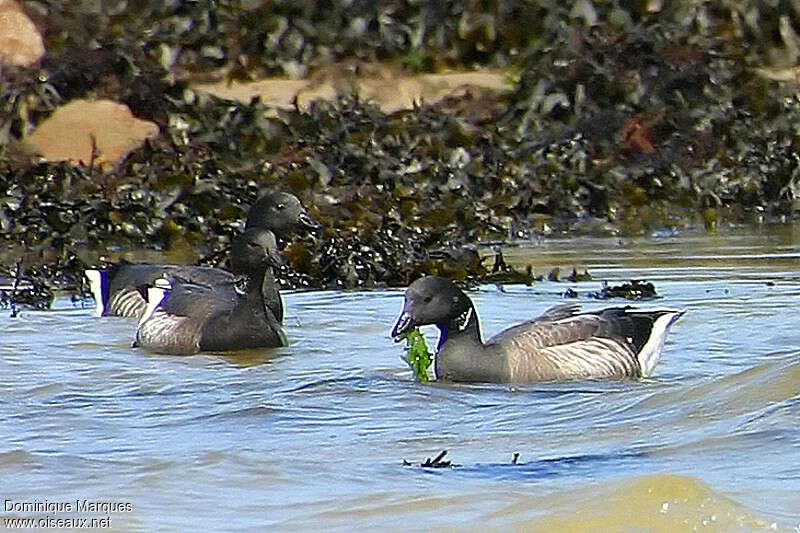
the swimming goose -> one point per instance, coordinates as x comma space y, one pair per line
561, 344
115, 288
282, 213
183, 317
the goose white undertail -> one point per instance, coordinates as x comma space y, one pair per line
651, 351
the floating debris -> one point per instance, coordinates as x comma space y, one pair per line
555, 275
502, 272
570, 293
633, 290
576, 277
436, 462
20, 291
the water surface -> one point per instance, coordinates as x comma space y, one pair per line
315, 435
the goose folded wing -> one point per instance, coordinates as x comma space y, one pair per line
196, 300
137, 274
575, 346
544, 332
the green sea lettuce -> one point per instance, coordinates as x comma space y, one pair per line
418, 357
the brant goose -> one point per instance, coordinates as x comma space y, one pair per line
115, 288
184, 317
562, 344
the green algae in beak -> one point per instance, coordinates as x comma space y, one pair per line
418, 357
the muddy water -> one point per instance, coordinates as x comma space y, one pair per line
314, 435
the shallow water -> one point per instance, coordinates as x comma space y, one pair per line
314, 435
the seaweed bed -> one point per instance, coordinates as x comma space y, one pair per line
627, 116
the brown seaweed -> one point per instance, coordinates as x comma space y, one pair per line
623, 118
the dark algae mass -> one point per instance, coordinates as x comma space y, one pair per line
624, 117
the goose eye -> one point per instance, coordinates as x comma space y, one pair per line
280, 206
428, 299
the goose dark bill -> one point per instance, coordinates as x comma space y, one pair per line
404, 324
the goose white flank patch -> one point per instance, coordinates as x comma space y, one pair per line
561, 344
96, 282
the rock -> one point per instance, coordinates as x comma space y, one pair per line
402, 92
279, 93
787, 75
20, 42
379, 85
67, 134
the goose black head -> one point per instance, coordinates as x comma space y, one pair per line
434, 300
254, 250
282, 213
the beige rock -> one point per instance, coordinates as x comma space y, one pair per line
278, 93
20, 42
789, 75
402, 92
389, 91
67, 134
